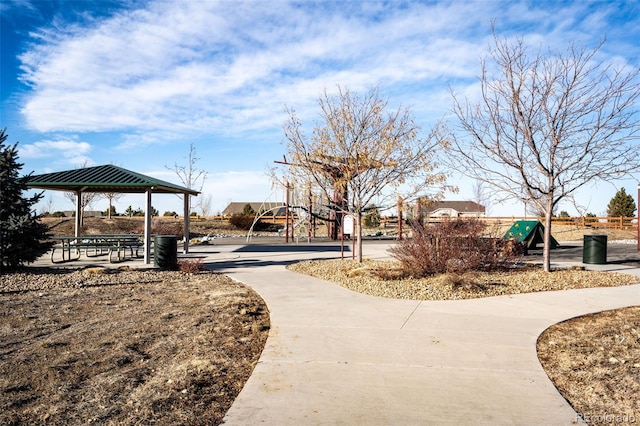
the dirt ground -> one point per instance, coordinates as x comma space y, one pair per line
127, 347
80, 347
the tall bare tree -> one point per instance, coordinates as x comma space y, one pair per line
204, 203
111, 197
358, 149
86, 198
481, 197
190, 176
547, 124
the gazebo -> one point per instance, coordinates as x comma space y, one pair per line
110, 178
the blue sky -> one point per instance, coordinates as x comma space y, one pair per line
134, 83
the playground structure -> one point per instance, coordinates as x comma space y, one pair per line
530, 233
306, 209
300, 220
333, 211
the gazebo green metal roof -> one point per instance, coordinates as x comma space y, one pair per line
107, 178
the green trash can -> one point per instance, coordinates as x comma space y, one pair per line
165, 251
594, 249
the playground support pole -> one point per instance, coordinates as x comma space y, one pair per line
638, 215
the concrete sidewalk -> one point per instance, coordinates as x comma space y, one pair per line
334, 356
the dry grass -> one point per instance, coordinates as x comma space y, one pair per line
126, 348
594, 361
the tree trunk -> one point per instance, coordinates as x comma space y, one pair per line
357, 223
546, 254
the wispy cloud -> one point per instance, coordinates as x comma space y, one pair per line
63, 151
164, 73
219, 67
210, 66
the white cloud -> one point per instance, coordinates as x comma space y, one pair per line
220, 67
62, 152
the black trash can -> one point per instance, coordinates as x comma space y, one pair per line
165, 251
594, 249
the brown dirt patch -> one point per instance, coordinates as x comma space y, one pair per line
594, 361
127, 347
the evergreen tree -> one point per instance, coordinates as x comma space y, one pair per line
248, 210
21, 235
622, 204
111, 211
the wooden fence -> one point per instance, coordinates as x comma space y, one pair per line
618, 222
627, 223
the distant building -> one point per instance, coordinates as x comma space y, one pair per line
451, 209
238, 208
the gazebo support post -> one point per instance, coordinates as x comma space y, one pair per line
78, 213
185, 231
147, 228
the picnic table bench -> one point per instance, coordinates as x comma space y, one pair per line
95, 245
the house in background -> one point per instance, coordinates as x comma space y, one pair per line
451, 209
238, 208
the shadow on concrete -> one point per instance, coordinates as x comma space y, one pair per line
226, 265
290, 248
617, 254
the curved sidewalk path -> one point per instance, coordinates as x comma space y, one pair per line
337, 357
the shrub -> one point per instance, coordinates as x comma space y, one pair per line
242, 221
58, 214
190, 266
453, 246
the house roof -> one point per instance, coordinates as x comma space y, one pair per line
459, 206
107, 178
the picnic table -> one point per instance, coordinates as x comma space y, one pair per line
96, 245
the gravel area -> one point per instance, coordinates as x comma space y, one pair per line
364, 278
54, 278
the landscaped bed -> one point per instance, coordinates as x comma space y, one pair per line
365, 278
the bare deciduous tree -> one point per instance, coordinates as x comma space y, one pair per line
481, 197
547, 125
111, 197
86, 199
204, 203
189, 175
357, 150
